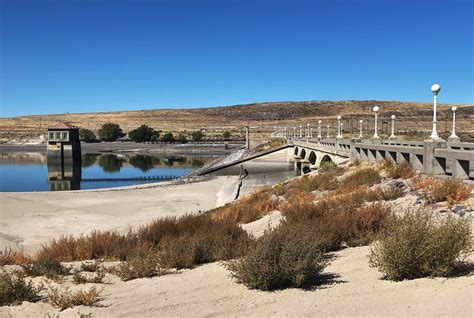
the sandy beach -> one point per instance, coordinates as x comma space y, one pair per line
351, 288
32, 218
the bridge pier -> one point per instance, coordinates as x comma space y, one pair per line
433, 165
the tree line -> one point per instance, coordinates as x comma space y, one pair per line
144, 133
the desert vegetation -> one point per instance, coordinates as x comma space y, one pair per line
418, 244
322, 213
14, 289
449, 190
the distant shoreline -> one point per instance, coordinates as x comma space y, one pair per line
210, 149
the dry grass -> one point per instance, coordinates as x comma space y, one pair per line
417, 244
360, 177
13, 257
250, 208
340, 219
67, 299
449, 190
141, 264
397, 171
199, 239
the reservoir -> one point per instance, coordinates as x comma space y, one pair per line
20, 171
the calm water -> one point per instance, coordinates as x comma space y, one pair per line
33, 171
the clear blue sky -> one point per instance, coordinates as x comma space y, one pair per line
84, 56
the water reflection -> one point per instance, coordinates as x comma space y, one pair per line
38, 172
64, 174
111, 163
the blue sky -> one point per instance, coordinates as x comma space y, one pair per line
85, 56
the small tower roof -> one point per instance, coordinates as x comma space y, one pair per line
63, 125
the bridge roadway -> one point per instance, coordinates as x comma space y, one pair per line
430, 157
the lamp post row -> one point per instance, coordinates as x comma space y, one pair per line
435, 89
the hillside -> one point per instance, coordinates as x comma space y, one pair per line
412, 117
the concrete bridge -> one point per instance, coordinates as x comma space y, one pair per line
430, 157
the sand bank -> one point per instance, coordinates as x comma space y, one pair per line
33, 218
351, 288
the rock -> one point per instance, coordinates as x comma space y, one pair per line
459, 209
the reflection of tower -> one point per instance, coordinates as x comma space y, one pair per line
64, 174
64, 157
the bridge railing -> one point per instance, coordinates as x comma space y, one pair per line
433, 158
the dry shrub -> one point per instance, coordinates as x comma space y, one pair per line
340, 219
13, 257
321, 182
50, 268
142, 263
450, 190
361, 177
97, 245
209, 240
396, 171
283, 257
386, 194
250, 208
79, 278
201, 239
416, 244
14, 289
67, 299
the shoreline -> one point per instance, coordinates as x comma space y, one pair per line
206, 149
30, 219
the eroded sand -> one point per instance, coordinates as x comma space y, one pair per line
30, 219
351, 289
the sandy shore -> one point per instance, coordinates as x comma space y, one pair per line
30, 218
351, 288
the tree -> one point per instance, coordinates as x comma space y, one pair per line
142, 134
197, 135
168, 137
226, 134
110, 132
182, 139
87, 135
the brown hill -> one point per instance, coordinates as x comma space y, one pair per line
412, 117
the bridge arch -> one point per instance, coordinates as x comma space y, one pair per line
296, 151
303, 153
312, 157
326, 158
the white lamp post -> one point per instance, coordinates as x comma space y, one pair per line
376, 110
319, 129
339, 135
301, 132
341, 129
307, 132
360, 128
435, 88
294, 132
284, 132
392, 136
454, 137
327, 133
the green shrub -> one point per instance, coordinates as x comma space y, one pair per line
168, 137
90, 266
197, 135
14, 289
416, 244
289, 256
50, 268
327, 166
79, 278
